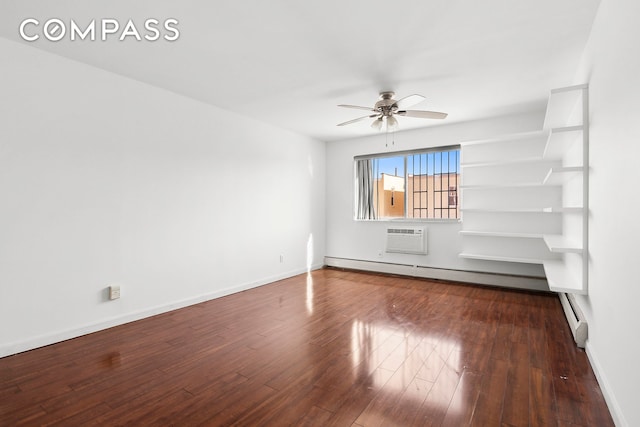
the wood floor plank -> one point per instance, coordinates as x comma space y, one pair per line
543, 411
488, 410
315, 417
463, 402
355, 400
515, 410
403, 413
381, 406
360, 350
83, 418
434, 408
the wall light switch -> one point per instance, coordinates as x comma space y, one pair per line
114, 292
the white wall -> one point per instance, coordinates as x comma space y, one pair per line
364, 240
105, 180
611, 66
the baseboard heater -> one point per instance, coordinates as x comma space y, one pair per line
474, 277
575, 318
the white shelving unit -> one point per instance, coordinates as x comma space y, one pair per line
562, 244
506, 206
502, 234
558, 176
560, 139
525, 196
559, 277
506, 162
500, 185
567, 121
565, 209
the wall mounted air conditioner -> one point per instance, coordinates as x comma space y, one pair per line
406, 240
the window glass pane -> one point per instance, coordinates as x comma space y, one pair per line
432, 184
389, 187
428, 188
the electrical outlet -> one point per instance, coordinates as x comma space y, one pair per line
114, 292
281, 259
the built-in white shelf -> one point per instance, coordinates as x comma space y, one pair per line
506, 138
553, 210
564, 209
502, 162
561, 107
486, 257
560, 140
500, 185
561, 243
560, 278
558, 176
501, 234
509, 210
504, 176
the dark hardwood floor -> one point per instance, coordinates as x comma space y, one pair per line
332, 348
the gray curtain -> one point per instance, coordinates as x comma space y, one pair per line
365, 208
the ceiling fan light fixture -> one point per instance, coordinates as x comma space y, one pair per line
377, 123
392, 123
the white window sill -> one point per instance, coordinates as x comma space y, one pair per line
409, 220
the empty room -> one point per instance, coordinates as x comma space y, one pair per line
414, 213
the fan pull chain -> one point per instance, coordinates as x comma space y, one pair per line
393, 139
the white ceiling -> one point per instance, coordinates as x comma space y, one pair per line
289, 63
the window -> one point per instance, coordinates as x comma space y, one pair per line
413, 184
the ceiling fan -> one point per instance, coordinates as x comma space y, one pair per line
386, 108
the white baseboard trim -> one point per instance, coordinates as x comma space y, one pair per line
7, 349
480, 278
609, 397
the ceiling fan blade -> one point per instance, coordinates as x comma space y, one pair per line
409, 101
357, 107
422, 114
358, 119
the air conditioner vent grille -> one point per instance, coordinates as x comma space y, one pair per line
404, 231
407, 240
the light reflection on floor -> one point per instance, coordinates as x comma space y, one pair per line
415, 365
309, 298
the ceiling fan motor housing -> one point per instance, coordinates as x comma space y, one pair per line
386, 105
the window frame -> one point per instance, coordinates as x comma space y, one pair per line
405, 154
